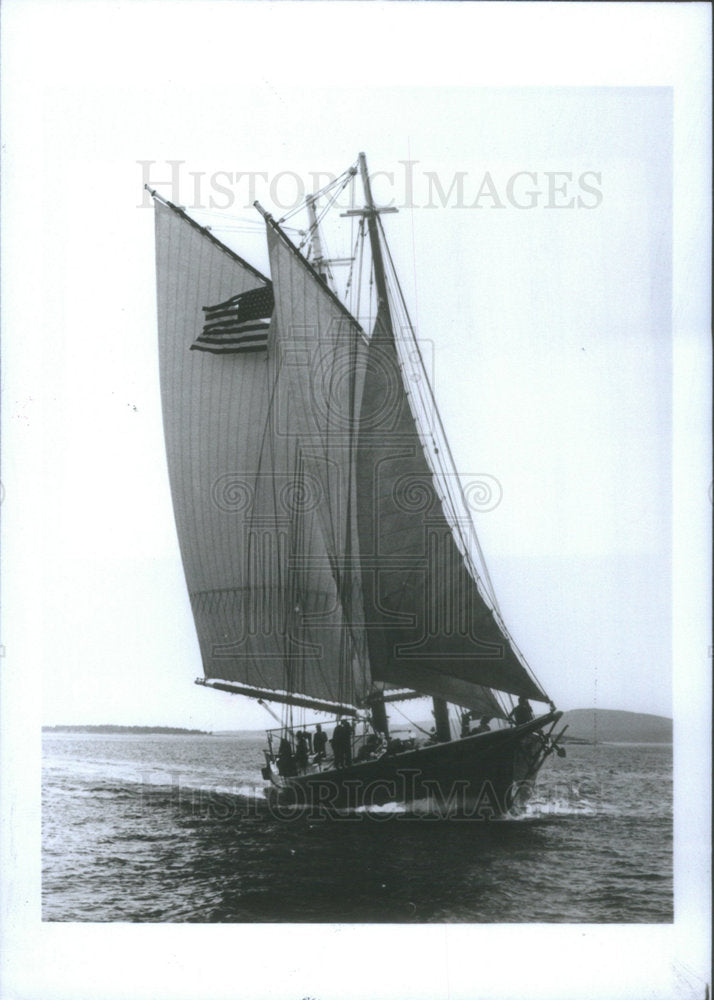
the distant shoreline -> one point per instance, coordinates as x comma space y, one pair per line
129, 730
584, 726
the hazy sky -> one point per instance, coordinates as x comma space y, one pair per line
547, 328
542, 288
534, 245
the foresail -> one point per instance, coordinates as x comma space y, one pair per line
427, 623
233, 478
321, 352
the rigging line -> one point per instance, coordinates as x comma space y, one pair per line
326, 208
360, 266
354, 224
322, 213
411, 219
219, 213
234, 223
353, 258
332, 200
342, 179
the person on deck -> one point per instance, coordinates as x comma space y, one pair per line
522, 713
319, 743
286, 761
338, 744
347, 729
301, 751
483, 726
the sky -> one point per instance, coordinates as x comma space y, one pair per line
560, 371
534, 245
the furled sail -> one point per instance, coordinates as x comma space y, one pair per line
259, 574
427, 623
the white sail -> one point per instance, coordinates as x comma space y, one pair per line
321, 352
262, 589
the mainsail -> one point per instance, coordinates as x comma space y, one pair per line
259, 575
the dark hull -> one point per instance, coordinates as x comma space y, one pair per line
484, 776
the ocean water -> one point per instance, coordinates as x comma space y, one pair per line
176, 828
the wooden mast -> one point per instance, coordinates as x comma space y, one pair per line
371, 212
318, 258
441, 715
379, 712
441, 720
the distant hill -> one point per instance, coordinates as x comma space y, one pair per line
603, 725
132, 730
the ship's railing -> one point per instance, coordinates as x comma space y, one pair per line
364, 742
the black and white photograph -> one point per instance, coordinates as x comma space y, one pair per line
356, 500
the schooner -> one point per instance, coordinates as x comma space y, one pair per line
328, 547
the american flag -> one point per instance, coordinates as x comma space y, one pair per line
239, 324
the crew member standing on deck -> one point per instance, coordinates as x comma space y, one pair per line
301, 751
338, 745
347, 730
522, 713
319, 742
286, 761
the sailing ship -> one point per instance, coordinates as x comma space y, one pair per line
328, 546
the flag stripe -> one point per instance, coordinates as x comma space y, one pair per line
233, 339
245, 349
239, 324
221, 327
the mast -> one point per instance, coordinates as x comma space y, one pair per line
315, 239
377, 706
441, 720
377, 260
440, 707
